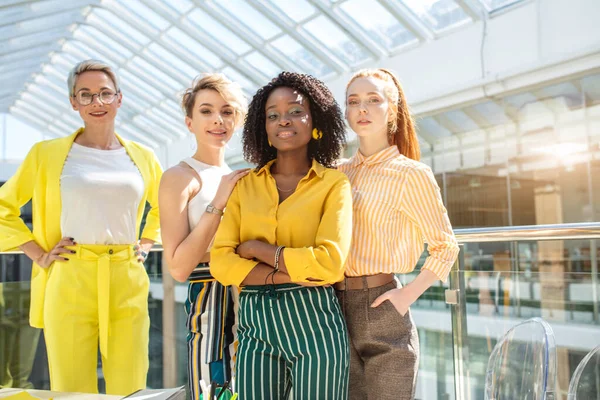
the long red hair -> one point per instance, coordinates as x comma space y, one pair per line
401, 131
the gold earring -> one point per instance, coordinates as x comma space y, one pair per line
317, 134
270, 144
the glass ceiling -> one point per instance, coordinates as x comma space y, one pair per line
546, 103
157, 47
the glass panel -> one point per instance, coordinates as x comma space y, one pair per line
94, 39
438, 14
432, 127
435, 379
181, 39
297, 10
34, 52
491, 111
50, 21
379, 22
507, 283
220, 34
494, 5
459, 121
145, 14
263, 64
14, 12
132, 79
35, 38
159, 77
181, 6
235, 76
105, 18
254, 19
297, 53
169, 60
590, 86
508, 160
335, 40
23, 352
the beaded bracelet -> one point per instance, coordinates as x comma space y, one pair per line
277, 254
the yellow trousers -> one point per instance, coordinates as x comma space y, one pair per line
99, 296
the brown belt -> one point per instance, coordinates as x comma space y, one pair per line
364, 282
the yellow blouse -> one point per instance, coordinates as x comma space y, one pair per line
314, 223
397, 207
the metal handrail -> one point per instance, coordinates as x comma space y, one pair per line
586, 230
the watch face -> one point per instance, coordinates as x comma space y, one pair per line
211, 209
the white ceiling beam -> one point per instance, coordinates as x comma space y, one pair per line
7, 49
136, 51
351, 28
242, 30
269, 10
409, 19
213, 45
62, 9
473, 8
158, 37
33, 52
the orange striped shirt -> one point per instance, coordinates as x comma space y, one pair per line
397, 208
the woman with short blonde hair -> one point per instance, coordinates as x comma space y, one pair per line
89, 287
192, 198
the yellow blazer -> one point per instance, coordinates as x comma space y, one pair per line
38, 179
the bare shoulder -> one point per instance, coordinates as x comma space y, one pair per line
181, 177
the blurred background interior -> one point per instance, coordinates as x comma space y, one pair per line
506, 95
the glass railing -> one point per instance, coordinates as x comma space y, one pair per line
503, 276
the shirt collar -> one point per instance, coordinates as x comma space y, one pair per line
386, 154
315, 168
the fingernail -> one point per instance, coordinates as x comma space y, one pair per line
66, 258
72, 251
72, 239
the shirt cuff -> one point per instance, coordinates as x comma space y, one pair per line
295, 263
441, 269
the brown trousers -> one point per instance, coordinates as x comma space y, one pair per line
384, 346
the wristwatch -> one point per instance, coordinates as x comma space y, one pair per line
213, 210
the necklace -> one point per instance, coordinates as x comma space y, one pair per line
284, 191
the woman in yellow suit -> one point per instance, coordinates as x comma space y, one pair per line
88, 284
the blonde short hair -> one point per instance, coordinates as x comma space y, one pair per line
91, 65
230, 91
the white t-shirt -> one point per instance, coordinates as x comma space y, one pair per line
100, 192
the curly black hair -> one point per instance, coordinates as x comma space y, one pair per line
325, 112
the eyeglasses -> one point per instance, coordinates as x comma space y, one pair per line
87, 98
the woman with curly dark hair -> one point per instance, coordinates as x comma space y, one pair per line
284, 239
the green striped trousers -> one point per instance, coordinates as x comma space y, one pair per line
292, 339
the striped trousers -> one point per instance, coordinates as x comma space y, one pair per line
292, 339
211, 322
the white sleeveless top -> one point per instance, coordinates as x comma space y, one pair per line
210, 176
100, 192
